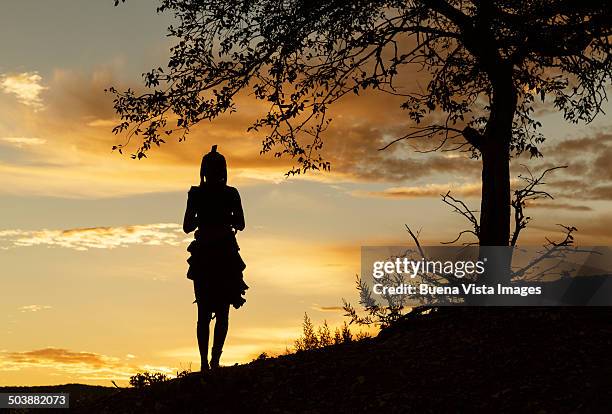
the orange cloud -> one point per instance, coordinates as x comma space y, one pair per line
57, 355
84, 366
79, 117
97, 237
77, 122
429, 190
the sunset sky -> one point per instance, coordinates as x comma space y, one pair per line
92, 254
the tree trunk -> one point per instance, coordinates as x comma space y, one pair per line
495, 201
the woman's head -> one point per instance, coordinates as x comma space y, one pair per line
214, 168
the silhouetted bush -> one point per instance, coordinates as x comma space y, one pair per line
262, 356
144, 379
374, 314
346, 334
315, 338
183, 373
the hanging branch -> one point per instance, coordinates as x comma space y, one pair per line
526, 194
462, 209
415, 238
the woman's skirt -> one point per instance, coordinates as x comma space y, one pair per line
216, 270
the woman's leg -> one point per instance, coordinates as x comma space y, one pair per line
203, 325
203, 334
221, 326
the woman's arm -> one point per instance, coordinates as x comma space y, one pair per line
190, 222
237, 213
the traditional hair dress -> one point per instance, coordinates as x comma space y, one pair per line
215, 265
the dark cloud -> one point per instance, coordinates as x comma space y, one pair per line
588, 175
581, 189
330, 308
592, 229
559, 206
578, 146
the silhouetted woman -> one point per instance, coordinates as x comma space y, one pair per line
215, 265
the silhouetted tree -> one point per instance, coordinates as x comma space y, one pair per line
325, 338
488, 61
309, 339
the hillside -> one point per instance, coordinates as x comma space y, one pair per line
470, 359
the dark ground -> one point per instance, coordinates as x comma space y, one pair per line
508, 360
